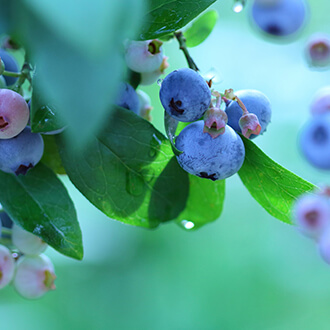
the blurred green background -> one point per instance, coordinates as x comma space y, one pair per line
247, 270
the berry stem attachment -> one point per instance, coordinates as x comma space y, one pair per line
182, 42
25, 74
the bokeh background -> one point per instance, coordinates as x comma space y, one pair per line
246, 270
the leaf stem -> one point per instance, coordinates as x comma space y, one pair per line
182, 42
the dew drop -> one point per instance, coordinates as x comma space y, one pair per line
238, 6
187, 224
159, 82
155, 144
135, 184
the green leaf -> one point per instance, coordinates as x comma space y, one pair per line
201, 28
44, 116
271, 185
205, 202
165, 16
51, 156
77, 50
128, 172
40, 204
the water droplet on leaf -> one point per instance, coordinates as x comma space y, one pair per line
187, 224
238, 6
135, 184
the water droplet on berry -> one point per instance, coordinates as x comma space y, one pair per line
238, 6
159, 82
135, 183
187, 224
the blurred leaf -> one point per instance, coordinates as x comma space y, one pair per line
205, 202
271, 185
43, 114
78, 53
40, 204
164, 17
128, 172
201, 28
51, 156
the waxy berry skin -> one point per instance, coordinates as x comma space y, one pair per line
11, 65
314, 141
14, 113
279, 18
255, 102
22, 152
185, 95
212, 158
127, 98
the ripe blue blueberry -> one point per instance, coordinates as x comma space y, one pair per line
127, 98
311, 214
212, 158
185, 95
10, 65
279, 18
22, 152
314, 141
255, 102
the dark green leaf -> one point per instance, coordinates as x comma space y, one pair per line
271, 185
51, 157
43, 115
40, 204
128, 172
205, 202
78, 53
201, 28
165, 16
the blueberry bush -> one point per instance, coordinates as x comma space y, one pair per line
71, 106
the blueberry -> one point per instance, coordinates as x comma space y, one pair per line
22, 152
255, 102
185, 95
279, 18
14, 113
314, 141
311, 214
34, 276
11, 65
144, 56
127, 98
212, 158
321, 101
318, 50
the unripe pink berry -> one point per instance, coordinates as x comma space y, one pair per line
318, 50
7, 266
34, 276
144, 56
26, 242
312, 214
14, 113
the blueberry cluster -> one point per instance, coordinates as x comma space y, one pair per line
210, 148
22, 262
20, 149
